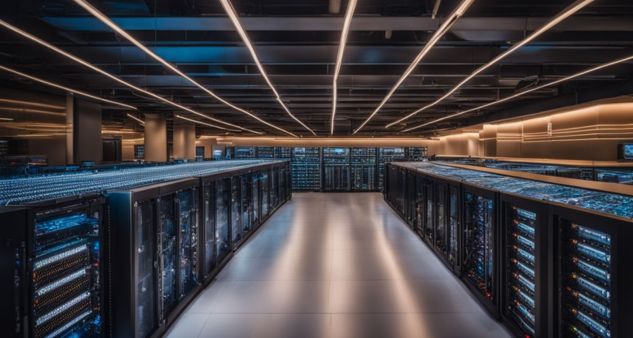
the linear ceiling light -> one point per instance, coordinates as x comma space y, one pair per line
34, 104
230, 11
444, 28
106, 20
201, 123
569, 11
7, 119
514, 96
58, 86
351, 6
113, 77
136, 119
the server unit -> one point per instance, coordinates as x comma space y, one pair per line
306, 169
52, 269
480, 254
155, 234
524, 229
386, 155
363, 169
336, 168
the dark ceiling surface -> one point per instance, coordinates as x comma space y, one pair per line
297, 42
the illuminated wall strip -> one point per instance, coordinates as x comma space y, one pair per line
112, 77
569, 11
519, 94
106, 20
200, 122
444, 28
230, 11
34, 104
34, 111
136, 119
351, 6
58, 86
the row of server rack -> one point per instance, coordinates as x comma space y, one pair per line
335, 168
124, 262
548, 260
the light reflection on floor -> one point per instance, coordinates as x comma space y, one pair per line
338, 265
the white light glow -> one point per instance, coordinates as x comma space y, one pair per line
230, 11
136, 119
106, 20
201, 123
113, 77
519, 94
569, 11
64, 88
444, 28
351, 6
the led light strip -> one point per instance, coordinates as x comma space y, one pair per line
514, 96
136, 119
106, 20
34, 111
112, 77
200, 122
34, 104
55, 85
230, 11
446, 26
351, 6
569, 11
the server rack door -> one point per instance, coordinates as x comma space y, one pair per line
14, 277
222, 217
209, 229
145, 277
419, 205
274, 188
188, 255
167, 235
523, 226
67, 283
441, 231
265, 191
255, 192
479, 268
247, 206
429, 224
586, 271
454, 226
236, 205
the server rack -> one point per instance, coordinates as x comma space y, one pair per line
155, 246
53, 263
336, 169
480, 255
306, 169
363, 169
245, 153
386, 155
447, 221
546, 269
265, 152
592, 277
524, 236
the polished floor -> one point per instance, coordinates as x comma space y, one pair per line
335, 265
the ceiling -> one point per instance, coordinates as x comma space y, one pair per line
297, 42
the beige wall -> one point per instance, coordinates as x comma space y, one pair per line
54, 148
588, 133
155, 138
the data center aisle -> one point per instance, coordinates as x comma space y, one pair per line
337, 265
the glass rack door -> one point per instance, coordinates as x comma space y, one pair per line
236, 205
188, 243
209, 229
479, 243
167, 254
222, 212
440, 225
145, 277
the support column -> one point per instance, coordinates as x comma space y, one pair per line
155, 138
184, 141
83, 131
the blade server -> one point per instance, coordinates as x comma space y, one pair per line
53, 269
